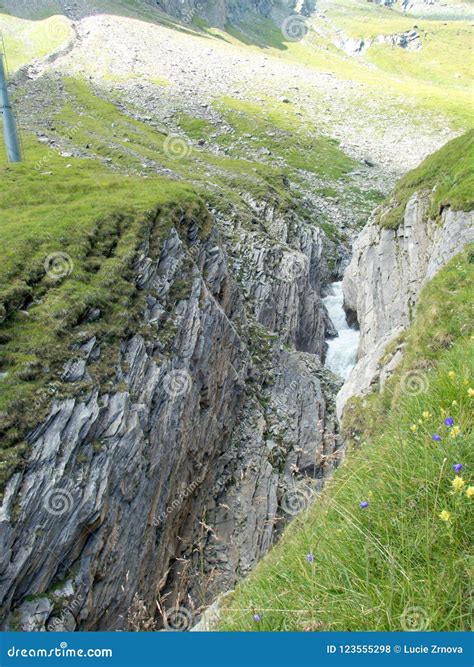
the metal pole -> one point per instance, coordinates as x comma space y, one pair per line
9, 123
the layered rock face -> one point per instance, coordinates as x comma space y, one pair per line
215, 434
385, 276
216, 12
290, 271
220, 12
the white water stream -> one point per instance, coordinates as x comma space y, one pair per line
342, 351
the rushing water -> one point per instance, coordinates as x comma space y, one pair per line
342, 351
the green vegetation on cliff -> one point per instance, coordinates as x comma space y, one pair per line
446, 177
71, 231
404, 561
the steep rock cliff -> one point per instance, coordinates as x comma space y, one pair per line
384, 279
177, 478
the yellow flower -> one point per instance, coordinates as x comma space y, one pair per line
454, 403
458, 483
370, 494
454, 432
426, 414
414, 428
470, 392
452, 374
445, 515
470, 491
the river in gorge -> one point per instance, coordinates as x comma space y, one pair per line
342, 350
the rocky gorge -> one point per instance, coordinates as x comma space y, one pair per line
221, 438
202, 451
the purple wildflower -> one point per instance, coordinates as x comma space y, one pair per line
363, 504
257, 617
310, 558
449, 421
436, 437
457, 467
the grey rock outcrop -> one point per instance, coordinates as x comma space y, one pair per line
221, 12
217, 12
282, 272
409, 40
385, 276
177, 479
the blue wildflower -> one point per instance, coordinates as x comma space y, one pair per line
449, 421
310, 558
436, 437
363, 504
257, 617
457, 467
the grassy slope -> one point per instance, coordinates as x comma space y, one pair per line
97, 212
436, 79
25, 40
112, 134
274, 126
373, 566
451, 169
96, 220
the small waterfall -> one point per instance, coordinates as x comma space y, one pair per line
342, 351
